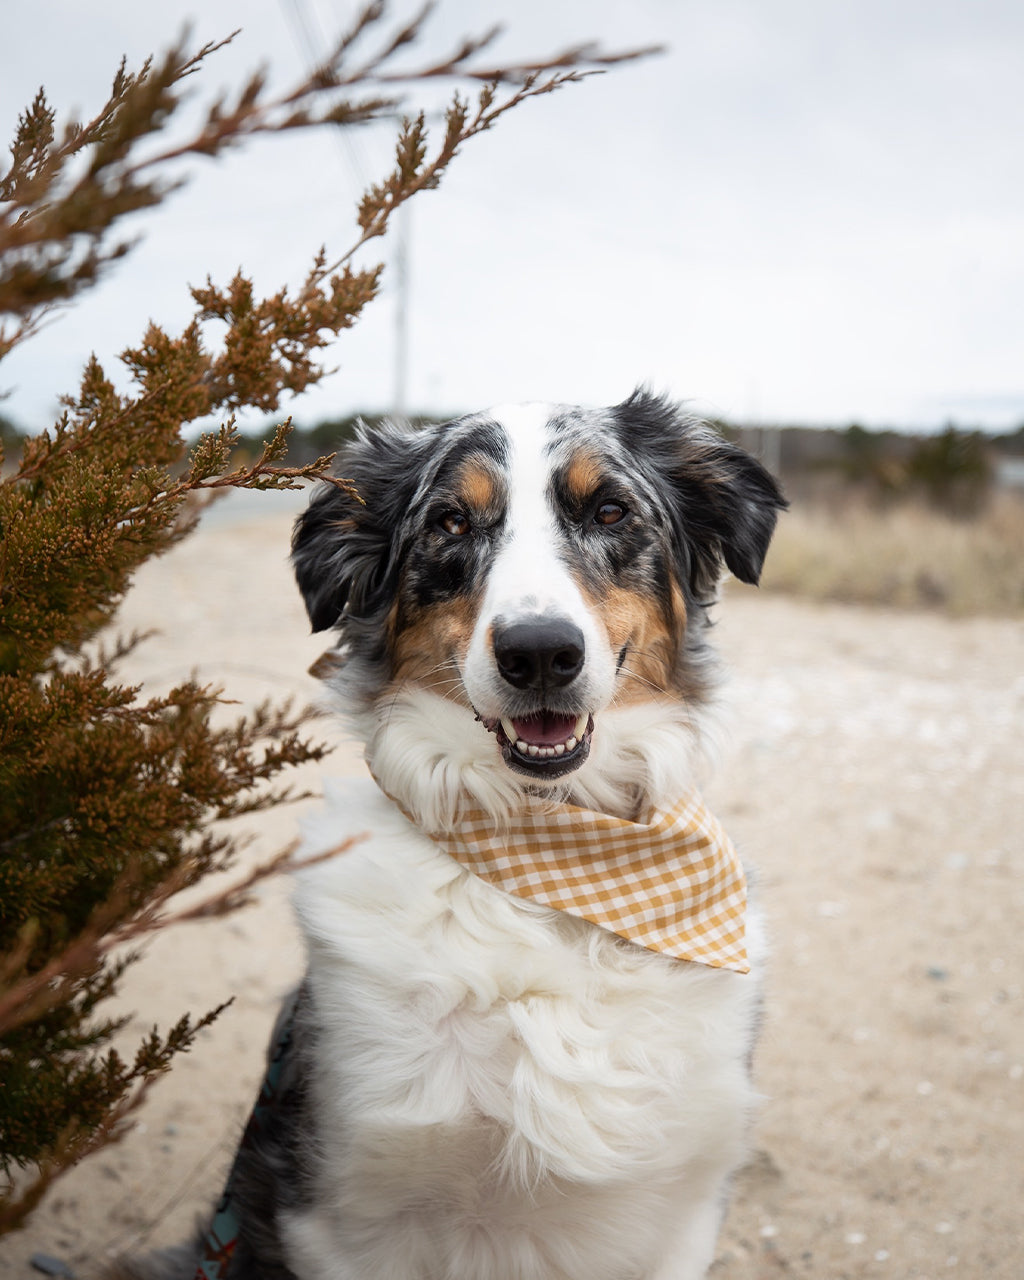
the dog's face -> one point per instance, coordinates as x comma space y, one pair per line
536, 564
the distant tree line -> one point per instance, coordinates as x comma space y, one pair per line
953, 469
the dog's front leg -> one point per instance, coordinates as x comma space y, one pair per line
695, 1237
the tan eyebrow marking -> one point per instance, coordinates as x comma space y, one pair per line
583, 475
477, 485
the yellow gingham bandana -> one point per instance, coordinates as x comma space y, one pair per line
672, 884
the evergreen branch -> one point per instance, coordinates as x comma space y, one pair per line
367, 17
518, 73
25, 999
106, 658
231, 899
259, 476
412, 175
251, 116
262, 474
76, 1142
41, 453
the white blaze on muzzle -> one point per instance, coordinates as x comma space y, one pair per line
529, 582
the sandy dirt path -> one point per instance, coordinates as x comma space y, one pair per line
873, 770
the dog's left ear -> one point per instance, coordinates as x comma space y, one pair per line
730, 504
725, 502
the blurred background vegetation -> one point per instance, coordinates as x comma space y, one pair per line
931, 521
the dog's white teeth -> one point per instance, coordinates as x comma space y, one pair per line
534, 750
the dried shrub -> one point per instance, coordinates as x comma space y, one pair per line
109, 800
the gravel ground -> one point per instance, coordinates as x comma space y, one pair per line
872, 772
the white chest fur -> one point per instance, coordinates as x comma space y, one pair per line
505, 1092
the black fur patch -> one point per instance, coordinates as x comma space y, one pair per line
344, 547
439, 565
349, 552
721, 502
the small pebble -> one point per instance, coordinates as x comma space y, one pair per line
51, 1266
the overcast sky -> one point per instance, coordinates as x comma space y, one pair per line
805, 211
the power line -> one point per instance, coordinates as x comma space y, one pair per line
311, 40
309, 36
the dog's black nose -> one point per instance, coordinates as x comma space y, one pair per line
539, 653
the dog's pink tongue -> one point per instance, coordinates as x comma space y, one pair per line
545, 729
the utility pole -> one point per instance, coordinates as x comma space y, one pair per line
401, 372
771, 448
309, 36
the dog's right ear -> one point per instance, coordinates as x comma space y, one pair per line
318, 555
346, 544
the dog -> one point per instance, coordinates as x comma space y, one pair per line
480, 1085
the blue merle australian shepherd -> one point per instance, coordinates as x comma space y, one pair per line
480, 1085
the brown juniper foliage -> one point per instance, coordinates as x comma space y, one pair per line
108, 799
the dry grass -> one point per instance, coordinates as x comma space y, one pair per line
907, 557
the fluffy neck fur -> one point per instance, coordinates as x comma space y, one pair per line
434, 758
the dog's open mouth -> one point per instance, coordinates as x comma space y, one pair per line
546, 743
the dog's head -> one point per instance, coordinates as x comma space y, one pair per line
537, 566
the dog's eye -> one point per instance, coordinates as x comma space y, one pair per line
609, 513
454, 523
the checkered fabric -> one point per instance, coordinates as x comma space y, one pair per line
673, 883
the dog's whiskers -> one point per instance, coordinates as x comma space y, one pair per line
453, 681
400, 686
635, 675
442, 684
